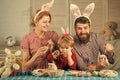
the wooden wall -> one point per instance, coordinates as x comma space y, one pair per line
97, 17
14, 21
59, 12
114, 12
105, 10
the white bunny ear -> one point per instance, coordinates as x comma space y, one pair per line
7, 51
63, 30
47, 6
44, 7
75, 10
88, 10
67, 30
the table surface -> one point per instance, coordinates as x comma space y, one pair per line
64, 77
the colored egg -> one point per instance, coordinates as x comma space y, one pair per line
95, 73
88, 74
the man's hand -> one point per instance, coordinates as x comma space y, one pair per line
109, 48
103, 61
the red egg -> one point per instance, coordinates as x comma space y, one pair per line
80, 73
40, 70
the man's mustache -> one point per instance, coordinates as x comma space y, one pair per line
83, 33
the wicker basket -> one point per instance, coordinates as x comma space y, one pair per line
55, 73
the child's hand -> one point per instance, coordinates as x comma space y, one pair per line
69, 51
69, 56
55, 54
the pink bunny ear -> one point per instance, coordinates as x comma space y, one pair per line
75, 10
65, 33
67, 30
63, 30
44, 7
88, 10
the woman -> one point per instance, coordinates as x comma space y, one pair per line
37, 44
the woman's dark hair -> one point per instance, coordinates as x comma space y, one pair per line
82, 20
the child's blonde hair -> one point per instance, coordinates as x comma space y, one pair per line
66, 41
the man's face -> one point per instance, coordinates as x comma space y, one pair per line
82, 31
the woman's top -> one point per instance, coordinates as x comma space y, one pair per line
31, 43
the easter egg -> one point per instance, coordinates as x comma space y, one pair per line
88, 74
95, 73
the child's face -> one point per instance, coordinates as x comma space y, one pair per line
65, 50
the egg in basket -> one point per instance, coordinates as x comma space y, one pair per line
40, 72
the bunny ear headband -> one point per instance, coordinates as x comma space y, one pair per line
87, 12
44, 7
65, 32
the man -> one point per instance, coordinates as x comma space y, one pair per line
88, 45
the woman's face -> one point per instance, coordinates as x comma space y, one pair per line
43, 23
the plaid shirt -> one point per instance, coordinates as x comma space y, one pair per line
87, 53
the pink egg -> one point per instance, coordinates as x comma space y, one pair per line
80, 73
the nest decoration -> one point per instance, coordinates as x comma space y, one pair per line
55, 73
108, 73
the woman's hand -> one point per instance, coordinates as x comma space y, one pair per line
42, 50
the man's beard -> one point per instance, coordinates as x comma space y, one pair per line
84, 39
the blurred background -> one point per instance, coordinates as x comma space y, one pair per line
15, 16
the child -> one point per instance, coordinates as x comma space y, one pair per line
64, 58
